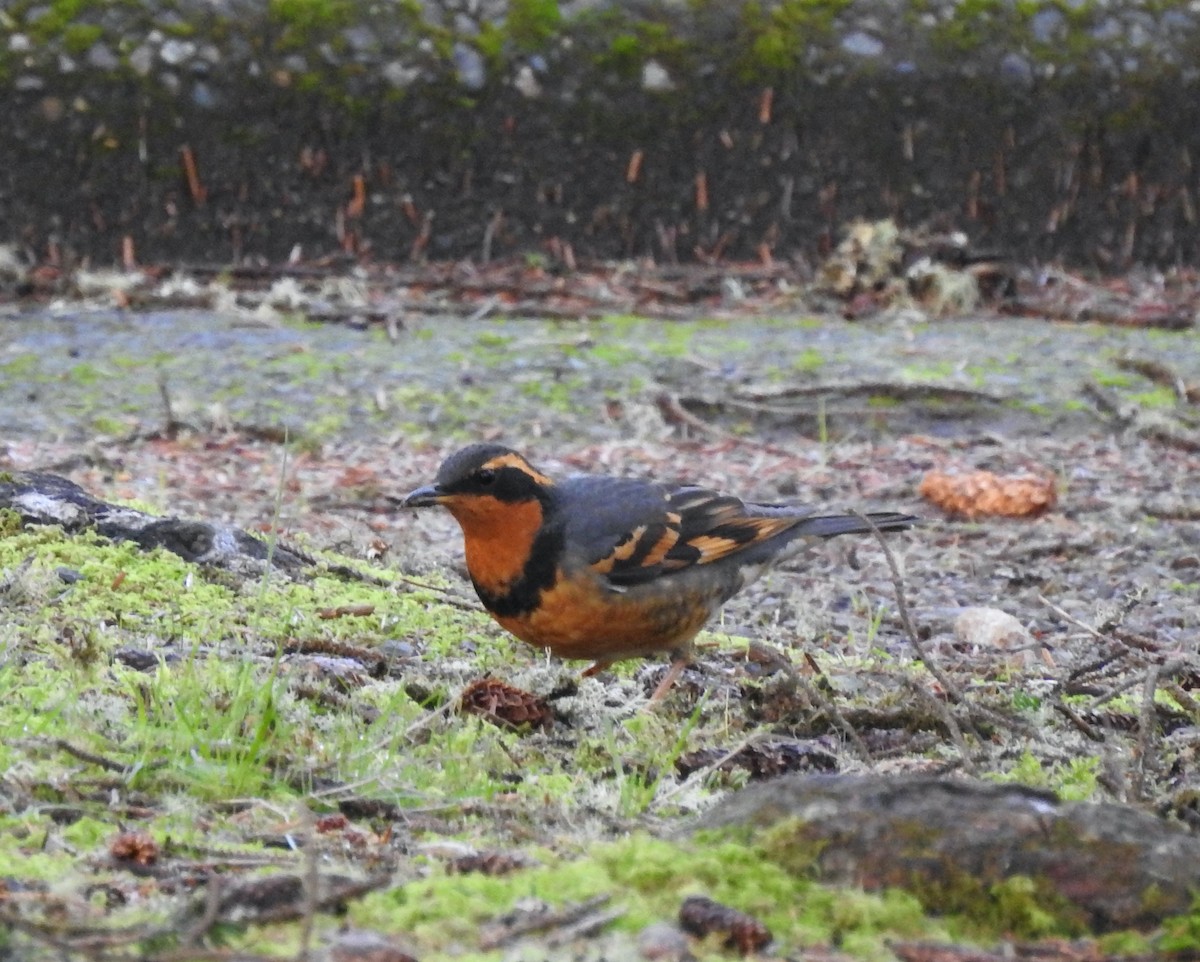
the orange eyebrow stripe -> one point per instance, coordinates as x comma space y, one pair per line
511, 460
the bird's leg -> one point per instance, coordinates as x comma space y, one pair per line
682, 655
596, 668
664, 686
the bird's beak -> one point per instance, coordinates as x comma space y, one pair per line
421, 498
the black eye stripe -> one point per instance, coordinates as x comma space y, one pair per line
485, 475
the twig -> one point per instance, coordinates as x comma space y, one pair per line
948, 685
674, 412
1147, 716
588, 925
1089, 730
212, 911
831, 710
946, 716
570, 916
1065, 616
899, 391
700, 774
1128, 640
312, 881
953, 692
449, 596
1161, 374
90, 757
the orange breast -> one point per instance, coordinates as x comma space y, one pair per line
579, 618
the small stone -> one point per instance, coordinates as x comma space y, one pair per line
361, 945
663, 942
862, 44
526, 83
472, 73
400, 75
991, 629
655, 77
102, 57
203, 96
175, 52
141, 60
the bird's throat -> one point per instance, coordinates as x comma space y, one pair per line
499, 538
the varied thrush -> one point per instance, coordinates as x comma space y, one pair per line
608, 568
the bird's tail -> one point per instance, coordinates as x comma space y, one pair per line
835, 524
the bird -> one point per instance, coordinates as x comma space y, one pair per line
607, 568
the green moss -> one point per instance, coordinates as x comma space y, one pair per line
1075, 780
112, 427
808, 360
85, 373
647, 879
1181, 935
531, 24
932, 371
22, 365
10, 520
312, 15
1159, 397
1108, 378
1029, 909
777, 37
53, 19
79, 38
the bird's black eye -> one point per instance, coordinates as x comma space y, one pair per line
485, 476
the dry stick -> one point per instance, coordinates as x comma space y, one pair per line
1129, 642
1162, 375
561, 918
906, 621
942, 710
1146, 719
699, 775
449, 596
198, 954
673, 412
66, 939
164, 392
1095, 670
212, 910
586, 926
1115, 691
312, 882
834, 714
899, 391
1148, 716
90, 757
948, 686
1186, 701
1089, 731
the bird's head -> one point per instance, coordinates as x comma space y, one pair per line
482, 482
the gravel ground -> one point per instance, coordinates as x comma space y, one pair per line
1103, 587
